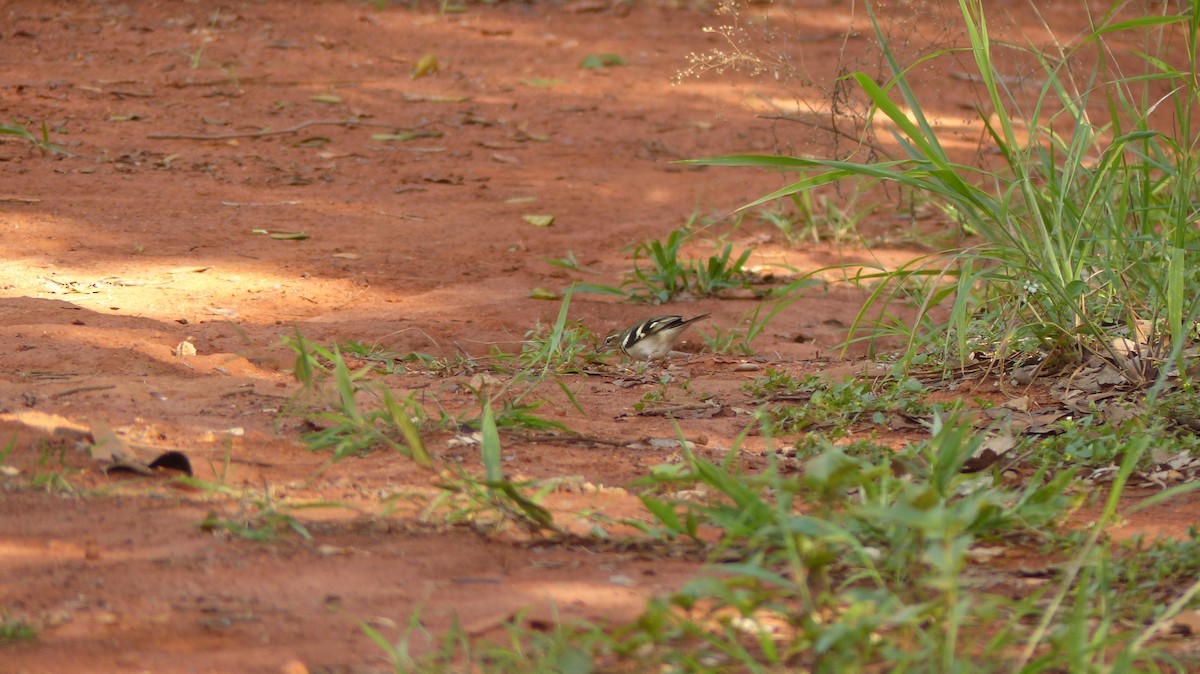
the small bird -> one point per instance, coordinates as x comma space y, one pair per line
650, 339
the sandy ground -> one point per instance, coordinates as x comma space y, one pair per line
192, 125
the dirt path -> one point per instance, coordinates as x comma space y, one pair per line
192, 126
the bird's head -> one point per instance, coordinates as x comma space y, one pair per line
610, 342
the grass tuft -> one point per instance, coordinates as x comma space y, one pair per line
1086, 244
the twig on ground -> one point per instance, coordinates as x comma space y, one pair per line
348, 123
81, 389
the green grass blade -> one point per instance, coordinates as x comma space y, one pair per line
345, 387
489, 446
412, 437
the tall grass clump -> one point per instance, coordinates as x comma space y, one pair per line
1085, 236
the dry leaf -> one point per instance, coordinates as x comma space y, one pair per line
538, 220
540, 293
1020, 404
426, 65
106, 446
